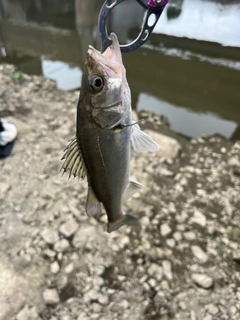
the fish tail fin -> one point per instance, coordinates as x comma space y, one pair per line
126, 219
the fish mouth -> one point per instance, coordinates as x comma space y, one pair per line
110, 58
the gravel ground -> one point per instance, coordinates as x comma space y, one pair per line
58, 264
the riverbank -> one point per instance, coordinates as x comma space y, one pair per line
56, 263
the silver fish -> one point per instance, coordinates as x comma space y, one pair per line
101, 149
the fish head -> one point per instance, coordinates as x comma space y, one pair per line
107, 87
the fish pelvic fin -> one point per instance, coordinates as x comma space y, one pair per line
126, 219
132, 188
73, 161
141, 141
93, 205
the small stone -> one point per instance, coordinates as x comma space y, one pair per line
207, 317
51, 296
55, 267
177, 236
202, 280
234, 162
66, 317
91, 295
198, 218
182, 305
69, 268
212, 309
167, 269
69, 228
103, 299
124, 303
181, 218
28, 313
96, 307
155, 271
50, 253
145, 221
193, 315
124, 241
170, 242
164, 285
199, 254
165, 230
61, 245
50, 236
152, 282
189, 235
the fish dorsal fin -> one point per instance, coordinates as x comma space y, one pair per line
141, 141
73, 161
93, 205
132, 188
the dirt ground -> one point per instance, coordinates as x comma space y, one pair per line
56, 263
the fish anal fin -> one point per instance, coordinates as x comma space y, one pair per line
93, 205
126, 219
141, 141
132, 188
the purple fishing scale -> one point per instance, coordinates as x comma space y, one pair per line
153, 8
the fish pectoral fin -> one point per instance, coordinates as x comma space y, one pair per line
126, 219
73, 161
142, 142
132, 188
93, 205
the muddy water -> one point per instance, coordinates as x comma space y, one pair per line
189, 70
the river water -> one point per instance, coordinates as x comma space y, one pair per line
189, 69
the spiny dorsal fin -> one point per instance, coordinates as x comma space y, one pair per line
132, 188
93, 205
73, 161
141, 141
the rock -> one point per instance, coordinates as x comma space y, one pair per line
198, 218
193, 315
202, 280
212, 309
28, 313
152, 282
61, 245
51, 297
165, 230
181, 218
69, 228
177, 236
155, 271
55, 267
50, 236
170, 242
4, 188
169, 148
124, 303
207, 317
103, 299
234, 162
199, 254
167, 269
189, 235
69, 268
164, 285
66, 317
96, 307
50, 253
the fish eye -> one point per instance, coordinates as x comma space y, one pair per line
96, 82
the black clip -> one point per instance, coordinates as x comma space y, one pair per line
153, 7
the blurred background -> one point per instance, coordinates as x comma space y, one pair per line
189, 69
